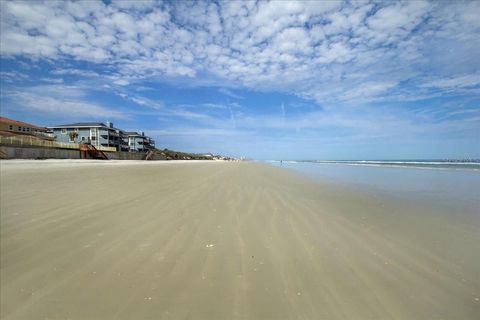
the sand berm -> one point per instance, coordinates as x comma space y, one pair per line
222, 240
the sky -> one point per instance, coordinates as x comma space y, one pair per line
265, 80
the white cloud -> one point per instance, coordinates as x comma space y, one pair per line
61, 106
368, 90
230, 93
399, 16
326, 50
214, 105
52, 80
12, 76
76, 72
146, 102
121, 82
464, 81
139, 100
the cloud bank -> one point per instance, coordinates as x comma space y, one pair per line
330, 51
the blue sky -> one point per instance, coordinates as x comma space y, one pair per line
266, 80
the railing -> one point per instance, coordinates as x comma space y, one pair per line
109, 149
29, 141
44, 135
149, 155
94, 153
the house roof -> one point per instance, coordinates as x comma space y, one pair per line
81, 124
19, 123
133, 133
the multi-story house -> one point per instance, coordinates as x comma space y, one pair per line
140, 142
123, 141
100, 134
16, 127
97, 134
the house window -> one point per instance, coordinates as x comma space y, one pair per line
10, 127
28, 129
94, 138
64, 131
83, 138
19, 128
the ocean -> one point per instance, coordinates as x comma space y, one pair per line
452, 186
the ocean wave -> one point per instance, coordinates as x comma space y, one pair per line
446, 165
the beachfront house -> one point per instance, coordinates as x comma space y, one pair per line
96, 133
14, 127
101, 134
139, 142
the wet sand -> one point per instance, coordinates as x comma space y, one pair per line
214, 240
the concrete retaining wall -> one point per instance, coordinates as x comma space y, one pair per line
125, 155
8, 152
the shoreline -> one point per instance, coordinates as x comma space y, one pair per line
239, 240
392, 164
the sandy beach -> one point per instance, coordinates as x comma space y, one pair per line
223, 240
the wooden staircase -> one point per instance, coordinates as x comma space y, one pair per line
87, 151
149, 155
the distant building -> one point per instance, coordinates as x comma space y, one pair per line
15, 127
139, 142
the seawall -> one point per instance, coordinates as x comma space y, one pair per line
11, 152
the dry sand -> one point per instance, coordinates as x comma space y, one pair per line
211, 240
